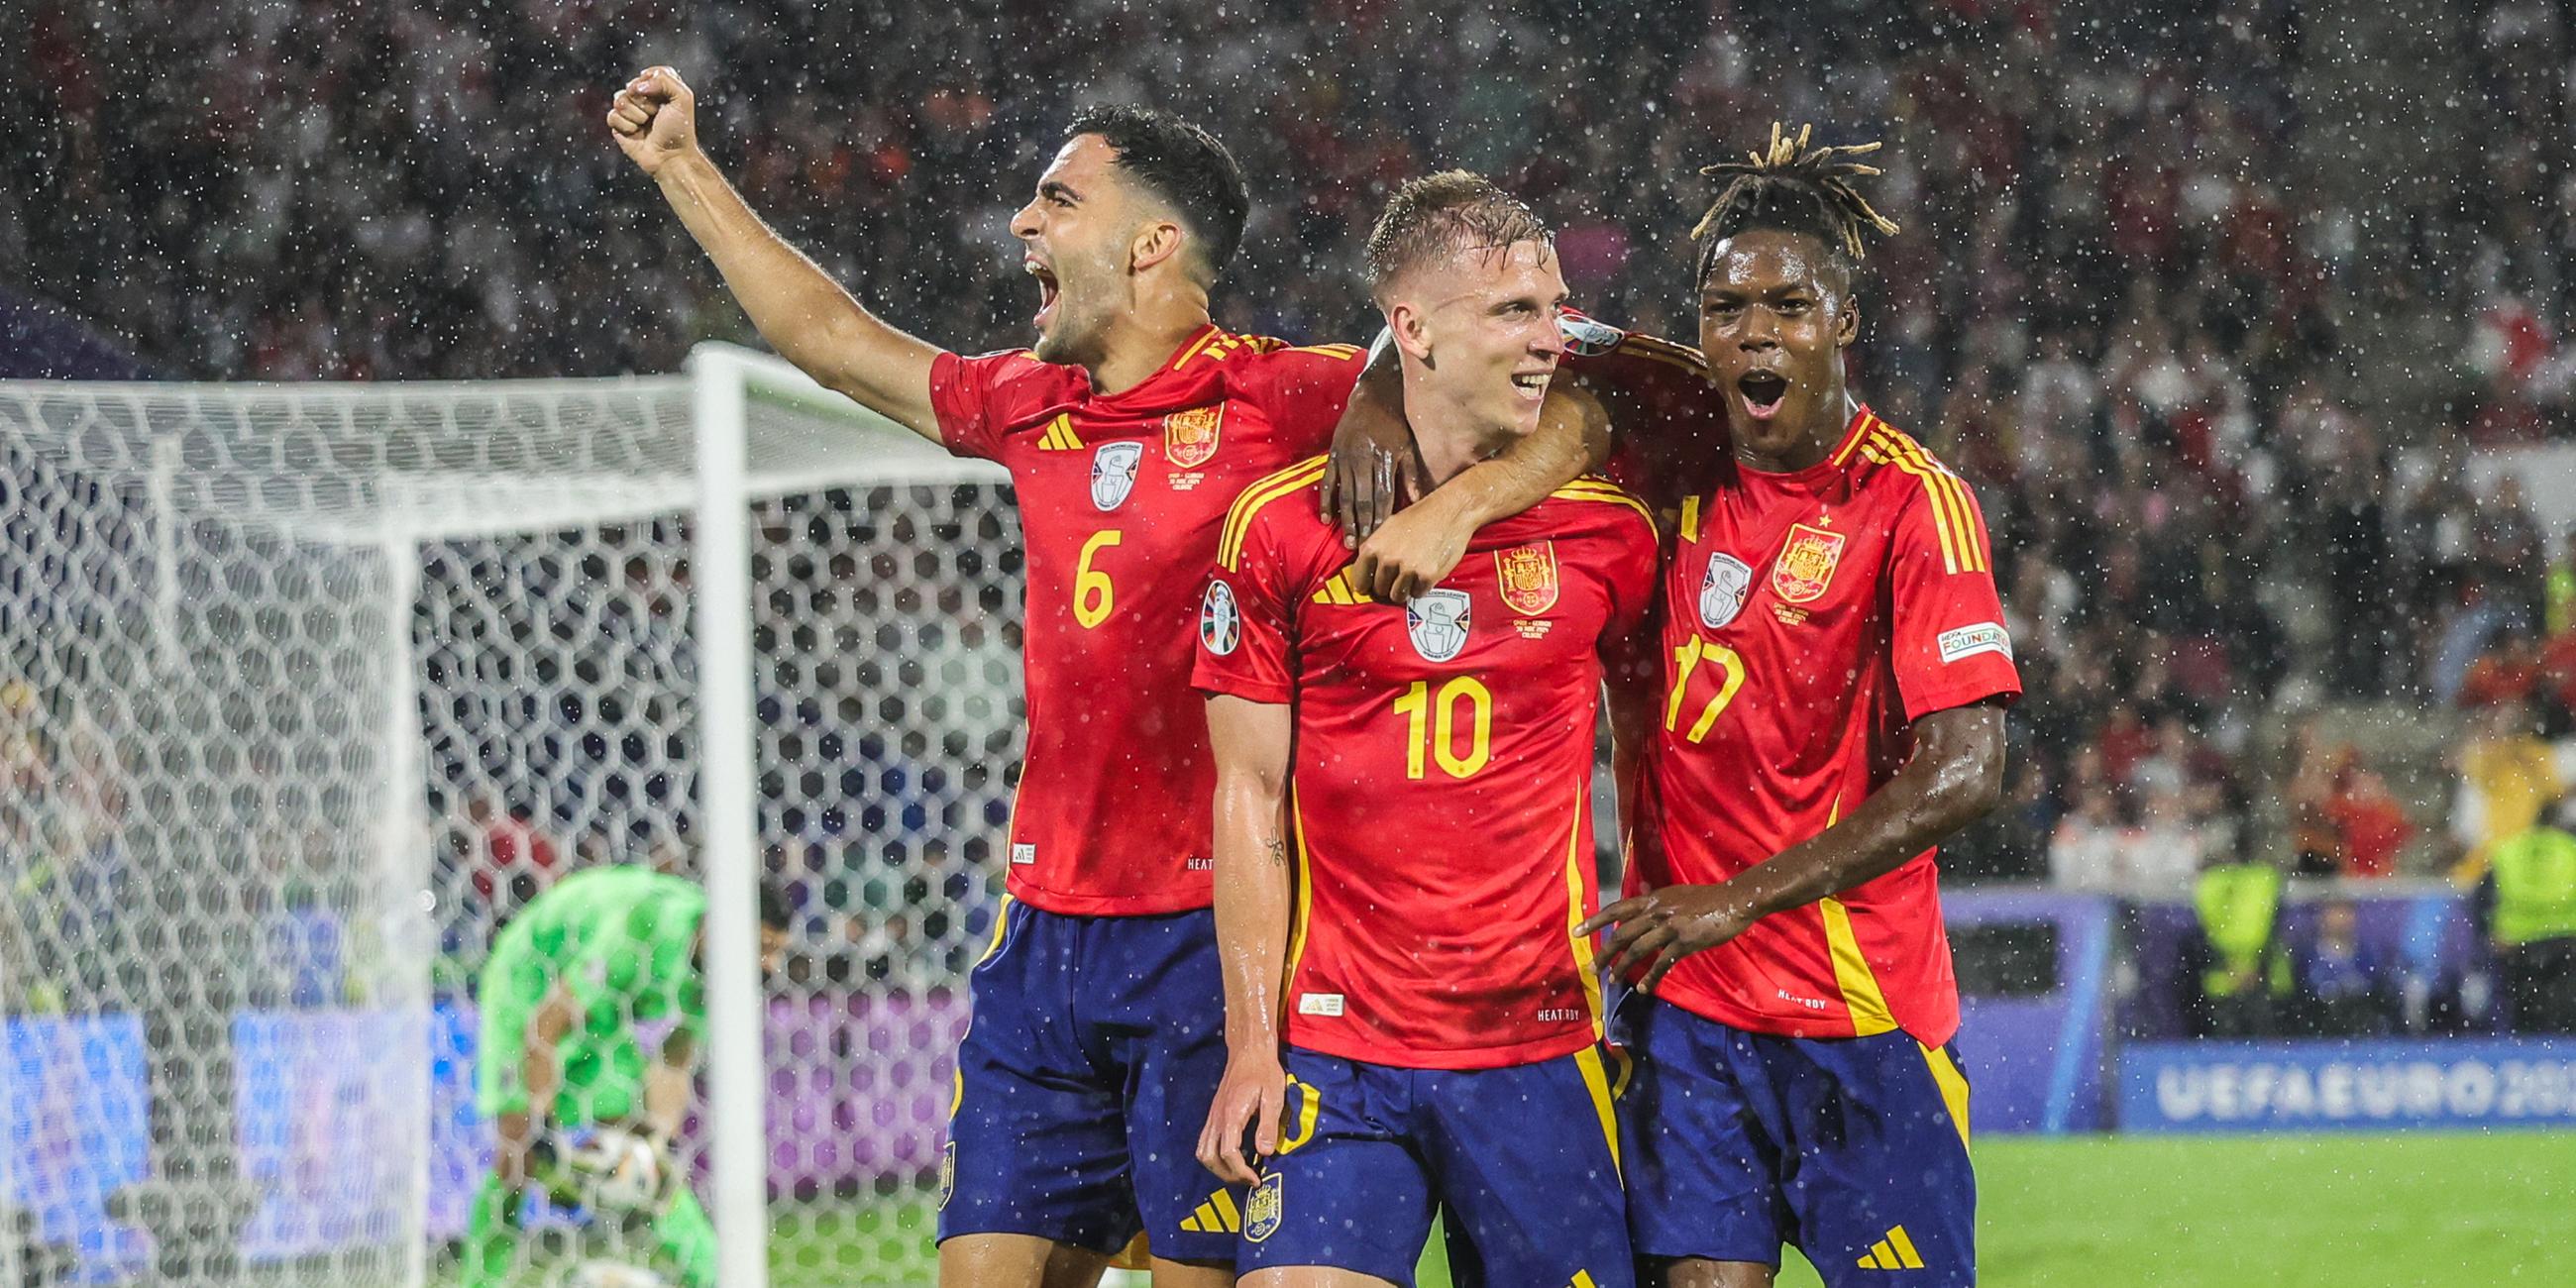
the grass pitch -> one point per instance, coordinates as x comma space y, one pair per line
2332, 1211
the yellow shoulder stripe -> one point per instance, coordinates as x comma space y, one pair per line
1610, 493
1238, 521
1345, 352
1953, 512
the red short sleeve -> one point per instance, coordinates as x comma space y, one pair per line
962, 393
1244, 622
1949, 640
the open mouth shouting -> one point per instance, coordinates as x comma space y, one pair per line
1047, 291
1762, 393
1531, 385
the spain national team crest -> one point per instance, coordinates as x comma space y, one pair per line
1189, 437
1220, 622
1722, 589
1806, 565
1261, 1209
1527, 575
1437, 621
1113, 473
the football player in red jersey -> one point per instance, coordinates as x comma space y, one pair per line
1410, 997
1128, 429
1835, 675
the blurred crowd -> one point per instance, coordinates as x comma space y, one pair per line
2117, 305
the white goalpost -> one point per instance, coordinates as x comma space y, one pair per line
305, 688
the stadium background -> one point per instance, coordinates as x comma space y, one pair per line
2244, 319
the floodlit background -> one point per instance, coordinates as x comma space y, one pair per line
2246, 321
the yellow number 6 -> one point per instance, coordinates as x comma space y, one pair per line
1092, 596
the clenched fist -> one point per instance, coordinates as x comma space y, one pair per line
655, 119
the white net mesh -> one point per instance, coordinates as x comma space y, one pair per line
306, 691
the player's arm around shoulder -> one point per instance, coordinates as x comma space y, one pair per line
799, 309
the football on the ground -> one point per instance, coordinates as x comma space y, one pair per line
614, 1274
618, 1169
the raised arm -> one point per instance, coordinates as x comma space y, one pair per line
799, 309
1253, 889
1954, 778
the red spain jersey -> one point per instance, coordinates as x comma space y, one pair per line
1808, 619
1120, 500
1670, 425
1441, 788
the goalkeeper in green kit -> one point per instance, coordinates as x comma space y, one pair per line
571, 981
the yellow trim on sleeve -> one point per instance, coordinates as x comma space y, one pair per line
1690, 520
1238, 521
1861, 996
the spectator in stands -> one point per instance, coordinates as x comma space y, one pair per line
2343, 988
2370, 824
2528, 904
2508, 778
2242, 966
2558, 596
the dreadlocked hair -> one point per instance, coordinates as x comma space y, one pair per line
1797, 188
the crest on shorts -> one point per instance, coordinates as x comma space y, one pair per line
1113, 473
1189, 437
947, 1173
1220, 622
1722, 589
1261, 1209
1437, 621
1528, 577
1806, 565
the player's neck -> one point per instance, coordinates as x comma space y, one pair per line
1142, 340
1787, 450
1449, 436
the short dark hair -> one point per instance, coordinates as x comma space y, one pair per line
1183, 166
1445, 214
777, 908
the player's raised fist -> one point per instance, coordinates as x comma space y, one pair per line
655, 118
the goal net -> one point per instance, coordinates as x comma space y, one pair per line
305, 690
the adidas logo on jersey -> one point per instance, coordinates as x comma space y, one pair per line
1218, 1215
1895, 1252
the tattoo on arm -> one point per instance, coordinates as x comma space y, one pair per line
1277, 850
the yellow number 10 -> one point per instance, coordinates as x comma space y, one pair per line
1687, 659
1434, 724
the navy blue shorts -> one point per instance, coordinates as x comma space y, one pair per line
1524, 1159
1096, 1048
1854, 1149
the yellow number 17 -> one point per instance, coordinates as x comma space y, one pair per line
1686, 660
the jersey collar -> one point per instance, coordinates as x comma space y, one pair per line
1846, 449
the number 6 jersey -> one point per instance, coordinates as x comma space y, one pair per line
1441, 787
1809, 619
1120, 498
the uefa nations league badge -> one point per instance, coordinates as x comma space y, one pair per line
1437, 621
1721, 592
1113, 473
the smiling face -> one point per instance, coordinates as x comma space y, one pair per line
1480, 327
1076, 234
1775, 316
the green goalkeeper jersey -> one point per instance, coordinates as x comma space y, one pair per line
622, 941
